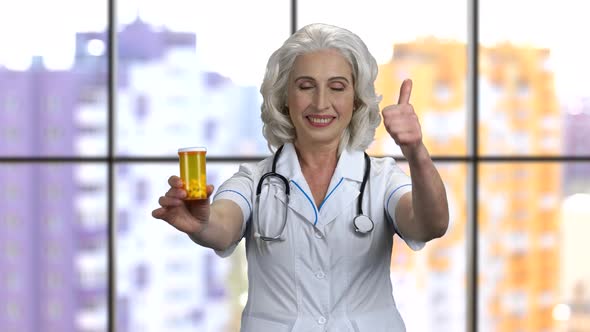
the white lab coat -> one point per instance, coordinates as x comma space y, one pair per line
322, 277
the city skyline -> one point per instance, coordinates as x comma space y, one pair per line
65, 267
152, 78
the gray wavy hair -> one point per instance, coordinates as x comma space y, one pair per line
278, 128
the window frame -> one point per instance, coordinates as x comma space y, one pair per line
473, 160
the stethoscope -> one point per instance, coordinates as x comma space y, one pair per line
362, 223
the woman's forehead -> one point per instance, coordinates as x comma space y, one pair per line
322, 64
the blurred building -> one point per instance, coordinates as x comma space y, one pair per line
166, 99
519, 218
40, 237
575, 131
519, 248
53, 254
437, 273
438, 70
573, 313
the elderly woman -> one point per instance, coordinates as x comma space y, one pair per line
320, 215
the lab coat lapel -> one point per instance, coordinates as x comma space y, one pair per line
344, 188
340, 201
300, 200
299, 204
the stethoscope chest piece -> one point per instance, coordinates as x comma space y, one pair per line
362, 224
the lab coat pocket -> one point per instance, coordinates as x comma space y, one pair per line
257, 324
386, 320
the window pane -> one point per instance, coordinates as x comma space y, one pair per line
409, 42
429, 285
166, 282
53, 248
52, 78
534, 221
534, 78
190, 72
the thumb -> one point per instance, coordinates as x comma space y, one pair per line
405, 91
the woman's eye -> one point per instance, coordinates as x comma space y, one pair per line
305, 87
338, 87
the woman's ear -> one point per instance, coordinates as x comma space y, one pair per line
357, 104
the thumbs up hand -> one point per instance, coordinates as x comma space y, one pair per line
401, 122
423, 213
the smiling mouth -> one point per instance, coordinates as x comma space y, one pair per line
319, 121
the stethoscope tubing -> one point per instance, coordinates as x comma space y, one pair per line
362, 223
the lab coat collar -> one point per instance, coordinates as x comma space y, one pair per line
288, 164
344, 186
301, 199
351, 166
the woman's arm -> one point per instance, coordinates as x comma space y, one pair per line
423, 213
223, 228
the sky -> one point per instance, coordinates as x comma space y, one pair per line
227, 31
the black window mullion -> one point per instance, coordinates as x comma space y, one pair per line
293, 16
111, 229
473, 175
242, 159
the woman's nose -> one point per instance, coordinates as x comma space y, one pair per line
322, 100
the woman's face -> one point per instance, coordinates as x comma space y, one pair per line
320, 97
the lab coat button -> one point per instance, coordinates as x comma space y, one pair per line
320, 275
318, 235
322, 320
